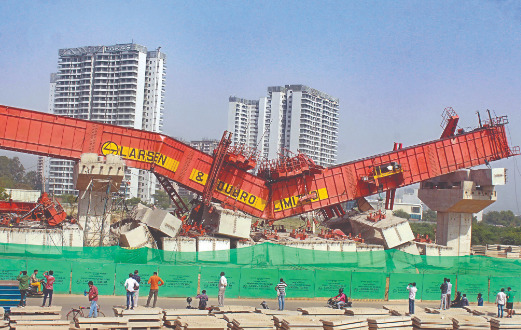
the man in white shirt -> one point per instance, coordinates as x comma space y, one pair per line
412, 296
131, 285
223, 283
501, 299
449, 291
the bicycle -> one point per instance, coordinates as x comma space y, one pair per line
74, 313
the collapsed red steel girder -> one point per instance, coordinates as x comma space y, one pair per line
68, 138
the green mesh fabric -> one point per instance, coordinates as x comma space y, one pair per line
254, 271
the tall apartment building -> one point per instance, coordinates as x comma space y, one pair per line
122, 85
292, 117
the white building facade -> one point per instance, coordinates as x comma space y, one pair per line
293, 118
121, 85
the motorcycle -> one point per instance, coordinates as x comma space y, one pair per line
333, 303
32, 291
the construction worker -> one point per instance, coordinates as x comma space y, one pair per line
23, 286
35, 281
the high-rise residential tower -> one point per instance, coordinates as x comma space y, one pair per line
122, 85
292, 117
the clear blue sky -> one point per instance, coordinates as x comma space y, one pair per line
394, 65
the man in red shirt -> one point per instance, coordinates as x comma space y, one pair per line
155, 282
93, 298
48, 289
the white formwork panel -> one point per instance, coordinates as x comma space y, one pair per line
213, 249
184, 248
72, 236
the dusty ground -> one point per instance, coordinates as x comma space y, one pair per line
106, 302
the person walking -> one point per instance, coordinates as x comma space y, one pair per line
93, 298
203, 299
443, 288
412, 296
136, 292
281, 293
500, 302
23, 286
510, 302
49, 287
155, 282
449, 293
131, 285
35, 281
223, 283
480, 299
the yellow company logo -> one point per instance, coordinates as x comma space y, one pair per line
294, 201
229, 190
141, 155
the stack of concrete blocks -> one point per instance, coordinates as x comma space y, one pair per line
213, 249
137, 237
391, 232
456, 196
172, 245
370, 255
97, 178
226, 222
436, 250
69, 236
321, 246
249, 251
162, 221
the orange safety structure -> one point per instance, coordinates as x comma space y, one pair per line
265, 197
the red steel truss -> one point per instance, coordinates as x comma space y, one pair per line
67, 138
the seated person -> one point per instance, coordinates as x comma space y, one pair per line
464, 301
456, 302
480, 299
203, 298
341, 299
35, 281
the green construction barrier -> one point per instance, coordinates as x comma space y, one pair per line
497, 283
368, 285
471, 285
102, 275
210, 277
61, 269
180, 281
11, 268
327, 282
398, 285
258, 282
431, 286
122, 272
300, 282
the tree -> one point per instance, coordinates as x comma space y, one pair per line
131, 202
13, 175
429, 215
33, 180
3, 195
68, 199
161, 199
423, 228
401, 214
